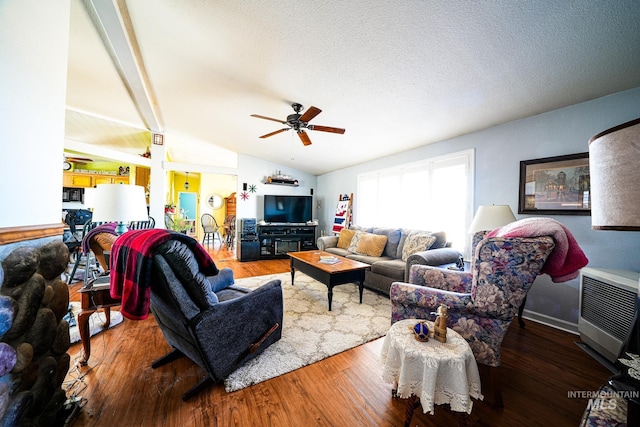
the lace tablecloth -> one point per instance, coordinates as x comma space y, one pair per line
438, 373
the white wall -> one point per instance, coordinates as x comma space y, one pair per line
34, 38
223, 185
254, 171
499, 151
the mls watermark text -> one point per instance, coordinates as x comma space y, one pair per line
603, 399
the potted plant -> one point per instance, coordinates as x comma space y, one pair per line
169, 208
182, 225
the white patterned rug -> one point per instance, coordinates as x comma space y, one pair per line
96, 321
310, 332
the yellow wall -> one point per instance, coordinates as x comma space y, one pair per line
106, 167
203, 185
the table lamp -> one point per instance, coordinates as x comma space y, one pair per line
488, 218
119, 203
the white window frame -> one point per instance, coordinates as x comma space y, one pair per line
383, 201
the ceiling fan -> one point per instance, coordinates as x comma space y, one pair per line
66, 162
82, 160
300, 122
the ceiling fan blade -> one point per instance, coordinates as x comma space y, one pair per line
304, 137
268, 118
326, 129
310, 114
274, 133
79, 159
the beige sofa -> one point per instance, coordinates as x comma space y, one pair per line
400, 249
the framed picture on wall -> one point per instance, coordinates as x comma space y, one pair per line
555, 186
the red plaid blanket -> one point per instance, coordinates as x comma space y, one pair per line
131, 261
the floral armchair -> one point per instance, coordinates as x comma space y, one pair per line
481, 303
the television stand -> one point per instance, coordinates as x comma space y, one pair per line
278, 240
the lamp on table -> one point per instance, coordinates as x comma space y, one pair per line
488, 218
614, 160
119, 203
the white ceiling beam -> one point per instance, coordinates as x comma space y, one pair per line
109, 20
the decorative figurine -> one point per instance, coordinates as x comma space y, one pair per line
421, 331
440, 325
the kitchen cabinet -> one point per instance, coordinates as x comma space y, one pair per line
84, 180
110, 179
77, 180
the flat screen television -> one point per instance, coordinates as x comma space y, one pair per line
287, 209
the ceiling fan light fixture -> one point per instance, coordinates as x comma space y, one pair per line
299, 122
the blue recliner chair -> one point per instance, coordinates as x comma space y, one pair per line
216, 324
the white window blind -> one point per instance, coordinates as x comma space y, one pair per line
432, 194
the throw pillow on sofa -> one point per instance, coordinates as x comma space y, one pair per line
371, 244
393, 240
344, 239
355, 240
417, 242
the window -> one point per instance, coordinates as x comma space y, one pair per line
433, 194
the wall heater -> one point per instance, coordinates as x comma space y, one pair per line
607, 310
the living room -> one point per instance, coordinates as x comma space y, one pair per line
498, 151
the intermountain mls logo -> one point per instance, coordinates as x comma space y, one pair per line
603, 399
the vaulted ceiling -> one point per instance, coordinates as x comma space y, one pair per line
395, 75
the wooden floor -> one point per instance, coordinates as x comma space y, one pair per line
119, 388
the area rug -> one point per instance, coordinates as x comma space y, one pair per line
310, 331
96, 321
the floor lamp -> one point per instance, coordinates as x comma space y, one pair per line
614, 166
119, 203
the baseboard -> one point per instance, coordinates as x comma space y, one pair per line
553, 322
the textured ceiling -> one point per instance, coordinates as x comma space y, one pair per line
396, 75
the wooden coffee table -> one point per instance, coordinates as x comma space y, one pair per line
344, 271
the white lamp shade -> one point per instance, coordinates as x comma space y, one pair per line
119, 203
491, 217
614, 166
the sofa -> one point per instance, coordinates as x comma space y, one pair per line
391, 252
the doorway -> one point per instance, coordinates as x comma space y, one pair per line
188, 204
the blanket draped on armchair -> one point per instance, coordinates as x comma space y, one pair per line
567, 257
109, 227
131, 260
